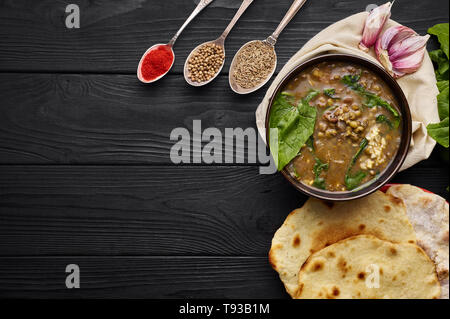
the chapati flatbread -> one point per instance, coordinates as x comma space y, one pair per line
318, 224
429, 215
365, 267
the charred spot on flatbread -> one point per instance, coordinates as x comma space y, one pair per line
296, 242
408, 273
319, 225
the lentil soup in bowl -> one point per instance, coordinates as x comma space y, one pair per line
338, 127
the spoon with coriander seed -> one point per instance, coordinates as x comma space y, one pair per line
206, 61
157, 61
256, 61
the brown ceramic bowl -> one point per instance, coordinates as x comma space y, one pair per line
399, 158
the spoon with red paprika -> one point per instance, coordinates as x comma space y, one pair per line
157, 61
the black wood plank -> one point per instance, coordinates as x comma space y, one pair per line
115, 33
141, 277
221, 211
110, 119
100, 119
215, 211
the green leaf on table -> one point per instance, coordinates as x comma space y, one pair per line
443, 102
442, 63
442, 85
439, 132
441, 31
290, 127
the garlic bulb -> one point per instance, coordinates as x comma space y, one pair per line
374, 24
401, 50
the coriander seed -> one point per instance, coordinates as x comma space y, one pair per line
205, 62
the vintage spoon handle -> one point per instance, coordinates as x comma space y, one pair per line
287, 18
202, 5
241, 10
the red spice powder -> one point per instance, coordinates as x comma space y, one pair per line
156, 62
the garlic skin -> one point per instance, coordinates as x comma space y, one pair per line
401, 50
374, 24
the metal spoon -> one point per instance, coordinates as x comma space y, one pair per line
220, 42
271, 41
202, 5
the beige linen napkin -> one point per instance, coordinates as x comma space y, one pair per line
420, 87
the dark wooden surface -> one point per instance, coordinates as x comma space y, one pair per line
85, 173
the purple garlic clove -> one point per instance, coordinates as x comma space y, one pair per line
374, 24
401, 50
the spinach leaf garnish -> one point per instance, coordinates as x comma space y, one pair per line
310, 144
319, 167
290, 127
331, 108
352, 181
287, 94
296, 174
383, 119
311, 95
330, 93
372, 100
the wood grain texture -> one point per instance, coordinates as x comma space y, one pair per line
85, 174
220, 211
115, 33
141, 277
104, 119
160, 210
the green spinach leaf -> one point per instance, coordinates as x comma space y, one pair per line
383, 119
372, 100
443, 106
442, 85
290, 128
352, 81
311, 95
352, 181
441, 31
331, 93
440, 131
442, 63
319, 167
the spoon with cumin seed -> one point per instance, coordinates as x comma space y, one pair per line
256, 61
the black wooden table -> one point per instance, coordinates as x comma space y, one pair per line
85, 173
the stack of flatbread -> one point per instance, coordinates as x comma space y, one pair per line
392, 245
